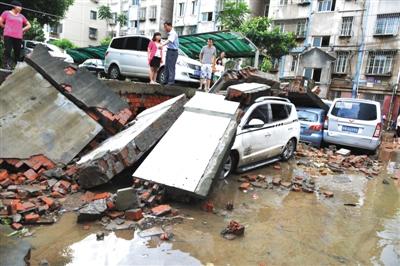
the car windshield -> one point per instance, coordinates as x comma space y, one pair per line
355, 110
307, 116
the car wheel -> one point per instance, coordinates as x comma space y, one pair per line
161, 76
289, 150
229, 166
114, 72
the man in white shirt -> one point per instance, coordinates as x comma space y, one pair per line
207, 60
172, 44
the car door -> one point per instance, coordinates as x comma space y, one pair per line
142, 61
279, 128
129, 59
256, 140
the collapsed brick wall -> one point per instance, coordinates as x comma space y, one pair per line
140, 102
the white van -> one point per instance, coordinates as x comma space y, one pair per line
355, 123
127, 56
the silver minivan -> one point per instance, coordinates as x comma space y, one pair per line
355, 123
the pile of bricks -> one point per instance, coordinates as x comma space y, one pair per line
27, 195
139, 102
111, 122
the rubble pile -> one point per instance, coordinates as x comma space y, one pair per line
32, 190
233, 230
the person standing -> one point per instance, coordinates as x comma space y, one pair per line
219, 66
207, 60
398, 126
154, 56
15, 25
172, 44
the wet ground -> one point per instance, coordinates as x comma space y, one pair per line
282, 228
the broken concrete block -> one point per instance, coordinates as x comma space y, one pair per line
343, 152
247, 93
127, 147
37, 119
134, 214
81, 87
200, 139
92, 211
126, 199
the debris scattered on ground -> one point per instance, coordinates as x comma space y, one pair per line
100, 236
344, 152
232, 230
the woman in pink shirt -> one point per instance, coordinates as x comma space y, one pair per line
154, 56
15, 25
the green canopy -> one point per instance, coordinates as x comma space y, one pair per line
235, 45
81, 54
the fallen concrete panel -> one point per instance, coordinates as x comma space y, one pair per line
247, 93
192, 152
127, 147
81, 87
36, 119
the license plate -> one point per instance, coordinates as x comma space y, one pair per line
350, 129
197, 73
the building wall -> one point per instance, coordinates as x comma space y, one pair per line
360, 42
75, 26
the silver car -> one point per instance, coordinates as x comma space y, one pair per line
355, 123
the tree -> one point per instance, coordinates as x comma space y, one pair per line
56, 8
64, 44
233, 14
35, 33
106, 41
271, 41
105, 14
122, 20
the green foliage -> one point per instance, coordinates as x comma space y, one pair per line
54, 7
233, 14
106, 41
270, 41
122, 20
105, 13
35, 33
64, 44
266, 64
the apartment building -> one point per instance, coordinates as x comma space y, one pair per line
197, 16
145, 17
81, 24
346, 46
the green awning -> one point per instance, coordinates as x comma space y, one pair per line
234, 44
81, 54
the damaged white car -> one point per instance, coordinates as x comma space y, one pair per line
268, 132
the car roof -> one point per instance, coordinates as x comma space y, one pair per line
355, 100
133, 35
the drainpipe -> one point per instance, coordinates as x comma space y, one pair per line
361, 52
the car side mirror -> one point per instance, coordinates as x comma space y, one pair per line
254, 123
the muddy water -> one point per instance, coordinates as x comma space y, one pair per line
282, 228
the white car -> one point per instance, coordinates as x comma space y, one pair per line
54, 51
127, 56
355, 123
268, 132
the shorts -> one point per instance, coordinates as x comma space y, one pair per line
206, 71
155, 62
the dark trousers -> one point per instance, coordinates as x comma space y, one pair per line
170, 64
11, 44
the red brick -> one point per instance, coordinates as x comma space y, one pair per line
5, 183
145, 195
28, 205
19, 164
161, 210
3, 174
16, 226
104, 195
244, 186
74, 188
49, 201
208, 206
31, 217
31, 174
115, 214
110, 205
71, 170
64, 184
56, 194
277, 167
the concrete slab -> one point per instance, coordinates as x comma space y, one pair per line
86, 90
36, 119
127, 147
199, 141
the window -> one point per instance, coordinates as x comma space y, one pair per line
181, 9
135, 2
321, 41
179, 30
207, 16
118, 43
93, 33
380, 63
134, 23
142, 14
347, 25
136, 44
387, 24
313, 73
279, 112
326, 5
301, 28
375, 97
261, 112
191, 30
335, 94
280, 26
307, 116
341, 62
194, 4
56, 28
294, 63
113, 19
283, 2
153, 13
93, 15
355, 110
